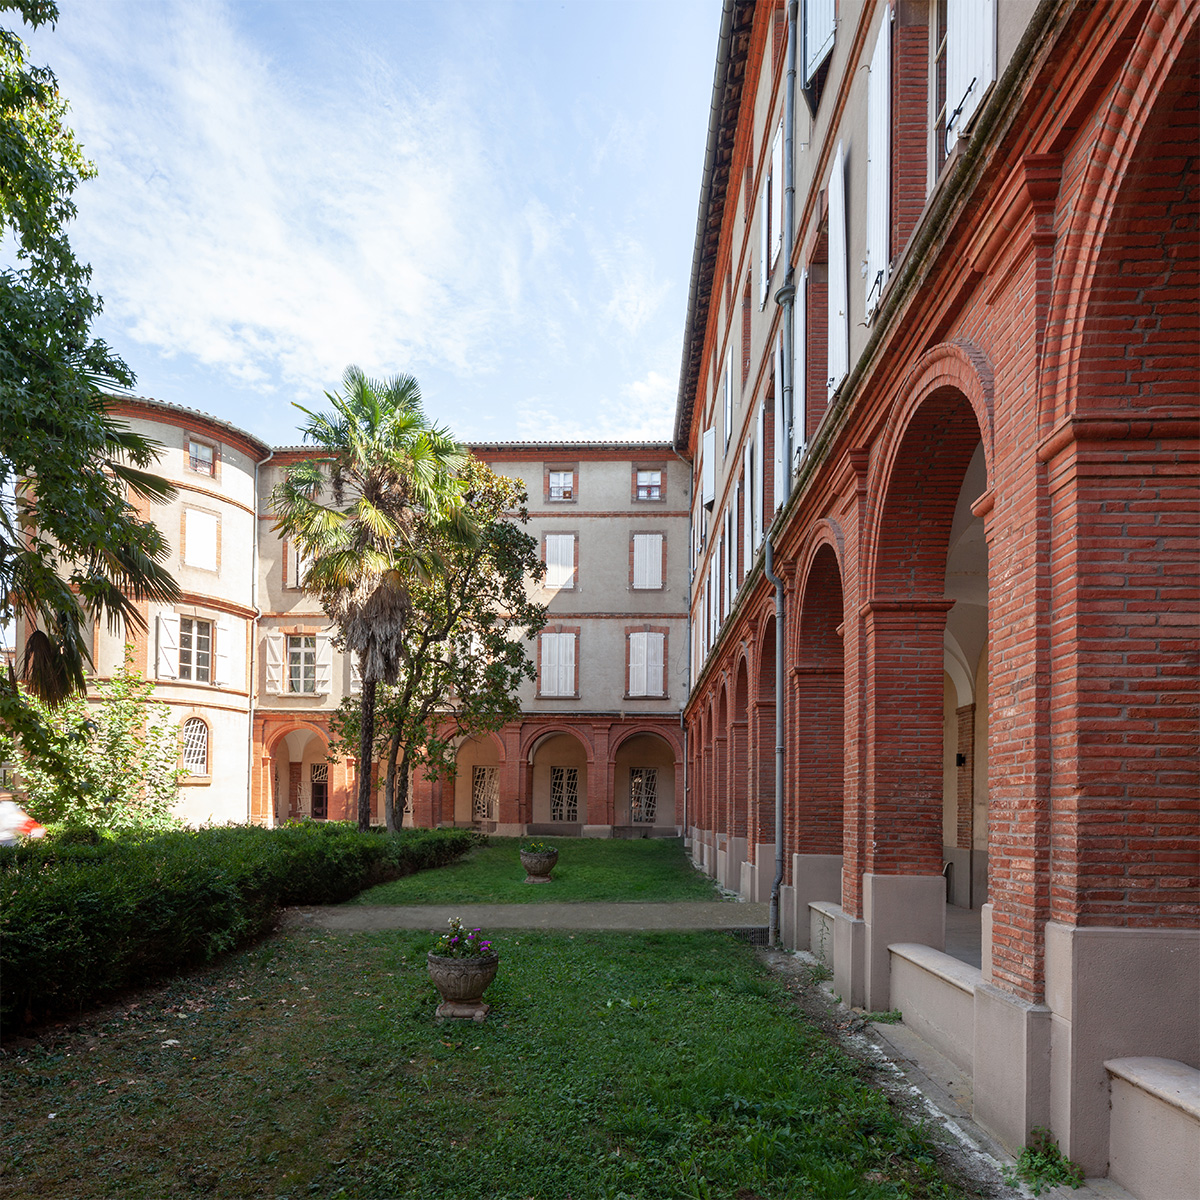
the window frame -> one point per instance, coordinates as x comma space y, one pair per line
190, 459
660, 487
184, 539
646, 632
288, 639
548, 488
193, 668
662, 560
195, 776
573, 571
567, 635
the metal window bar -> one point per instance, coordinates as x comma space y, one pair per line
643, 791
564, 793
195, 746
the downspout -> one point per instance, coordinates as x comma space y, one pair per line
253, 646
777, 583
786, 298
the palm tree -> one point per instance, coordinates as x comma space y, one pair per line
356, 510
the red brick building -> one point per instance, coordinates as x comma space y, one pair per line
971, 465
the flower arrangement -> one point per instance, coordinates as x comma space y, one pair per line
536, 848
458, 942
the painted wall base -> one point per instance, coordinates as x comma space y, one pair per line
897, 908
849, 956
814, 877
735, 855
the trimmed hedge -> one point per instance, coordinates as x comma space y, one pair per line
79, 921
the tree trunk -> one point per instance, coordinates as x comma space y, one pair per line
389, 790
366, 748
402, 796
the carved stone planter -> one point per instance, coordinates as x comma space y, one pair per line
538, 865
461, 983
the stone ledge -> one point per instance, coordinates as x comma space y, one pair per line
1172, 1082
947, 968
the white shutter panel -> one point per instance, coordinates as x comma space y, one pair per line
324, 665
777, 195
355, 675
879, 89
299, 561
747, 515
839, 308
708, 467
566, 664
222, 667
560, 560
655, 676
199, 539
730, 560
819, 28
549, 664
728, 395
647, 560
274, 662
800, 369
758, 477
780, 432
764, 248
970, 61
166, 665
637, 664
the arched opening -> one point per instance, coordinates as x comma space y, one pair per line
477, 782
644, 787
300, 779
559, 780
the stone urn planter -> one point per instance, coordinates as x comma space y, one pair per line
538, 864
461, 983
461, 965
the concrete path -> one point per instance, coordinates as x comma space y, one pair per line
680, 915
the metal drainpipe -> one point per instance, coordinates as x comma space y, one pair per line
777, 583
253, 646
785, 297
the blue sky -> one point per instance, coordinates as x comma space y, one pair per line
499, 198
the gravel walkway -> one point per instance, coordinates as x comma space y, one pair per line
680, 915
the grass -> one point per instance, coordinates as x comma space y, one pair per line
614, 1066
588, 870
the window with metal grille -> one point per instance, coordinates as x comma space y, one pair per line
643, 794
195, 650
564, 793
195, 746
302, 663
485, 786
200, 458
562, 485
649, 485
319, 777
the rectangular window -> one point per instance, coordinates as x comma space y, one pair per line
776, 196
200, 457
558, 664
561, 485
299, 560
564, 793
839, 292
643, 794
728, 387
319, 781
937, 91
708, 468
195, 650
649, 485
200, 531
646, 663
560, 560
302, 664
879, 152
820, 25
647, 560
970, 61
485, 789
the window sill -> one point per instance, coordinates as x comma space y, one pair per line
196, 781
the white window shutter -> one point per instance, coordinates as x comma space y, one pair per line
166, 659
730, 560
839, 307
777, 195
764, 248
560, 560
637, 664
747, 517
655, 675
728, 395
800, 368
324, 665
708, 467
647, 560
299, 561
222, 658
879, 127
780, 421
970, 61
550, 664
355, 675
566, 664
200, 539
820, 24
758, 477
274, 662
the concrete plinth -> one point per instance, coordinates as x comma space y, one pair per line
787, 916
814, 877
898, 908
735, 855
849, 953
1113, 993
1012, 1065
596, 831
764, 867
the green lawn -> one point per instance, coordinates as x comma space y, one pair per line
589, 869
635, 1066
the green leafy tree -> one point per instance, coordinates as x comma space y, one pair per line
73, 548
384, 473
463, 654
121, 755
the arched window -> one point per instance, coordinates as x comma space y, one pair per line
195, 746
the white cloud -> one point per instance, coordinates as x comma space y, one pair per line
643, 411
